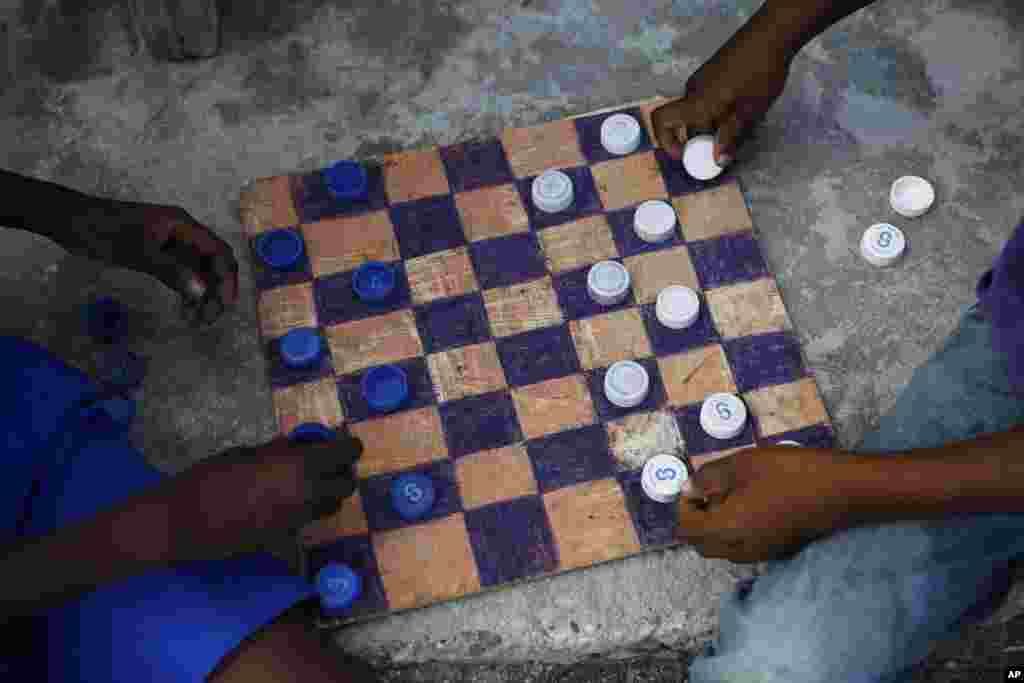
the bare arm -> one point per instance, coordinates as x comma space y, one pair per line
797, 22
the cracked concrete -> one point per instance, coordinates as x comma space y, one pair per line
890, 91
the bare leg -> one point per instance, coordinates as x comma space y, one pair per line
287, 650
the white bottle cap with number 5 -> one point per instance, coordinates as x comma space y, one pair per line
723, 416
883, 244
663, 478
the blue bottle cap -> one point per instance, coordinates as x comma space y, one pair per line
280, 249
412, 495
347, 180
301, 348
373, 281
385, 387
338, 586
121, 370
311, 431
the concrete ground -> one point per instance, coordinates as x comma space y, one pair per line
932, 88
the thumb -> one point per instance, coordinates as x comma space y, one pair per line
712, 482
735, 128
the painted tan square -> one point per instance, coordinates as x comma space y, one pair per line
522, 307
492, 212
747, 308
310, 402
426, 563
533, 150
690, 376
492, 476
283, 309
654, 271
556, 405
414, 175
590, 523
342, 244
577, 244
440, 275
606, 339
629, 181
399, 441
713, 213
373, 341
466, 371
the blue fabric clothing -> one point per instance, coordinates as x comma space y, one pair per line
170, 626
1001, 298
865, 605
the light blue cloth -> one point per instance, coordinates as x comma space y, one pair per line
867, 604
171, 626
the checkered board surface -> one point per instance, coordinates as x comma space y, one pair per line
536, 472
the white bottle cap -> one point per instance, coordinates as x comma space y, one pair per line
663, 477
654, 221
723, 416
677, 307
620, 134
699, 157
883, 244
911, 196
552, 191
789, 443
608, 282
626, 384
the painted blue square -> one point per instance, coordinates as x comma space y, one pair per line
314, 202
475, 164
449, 323
282, 376
606, 410
765, 359
585, 199
336, 300
728, 260
621, 223
480, 423
666, 341
375, 493
266, 277
571, 457
508, 260
815, 436
426, 226
357, 553
511, 540
574, 297
655, 523
698, 441
421, 391
538, 355
588, 131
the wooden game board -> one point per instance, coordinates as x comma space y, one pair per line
536, 472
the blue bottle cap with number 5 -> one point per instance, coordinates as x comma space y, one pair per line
412, 496
338, 586
663, 478
883, 244
723, 416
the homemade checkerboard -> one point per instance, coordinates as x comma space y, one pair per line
536, 472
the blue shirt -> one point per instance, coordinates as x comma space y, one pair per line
1001, 298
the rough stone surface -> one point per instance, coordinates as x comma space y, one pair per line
890, 91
